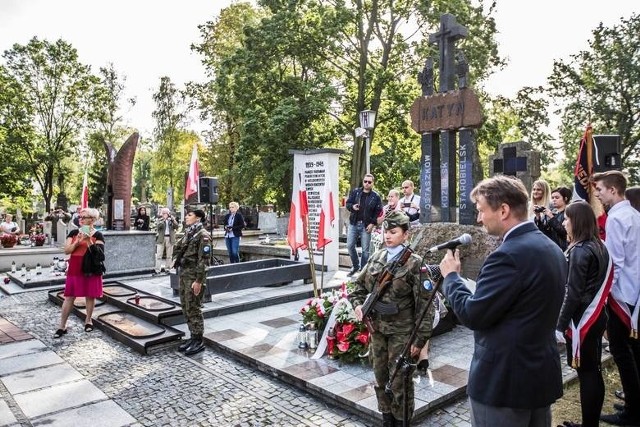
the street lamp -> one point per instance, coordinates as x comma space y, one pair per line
367, 122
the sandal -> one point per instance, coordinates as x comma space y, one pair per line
88, 327
59, 333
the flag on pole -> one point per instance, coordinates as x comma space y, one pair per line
84, 202
327, 215
194, 175
582, 186
584, 167
298, 214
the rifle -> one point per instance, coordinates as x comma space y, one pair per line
382, 284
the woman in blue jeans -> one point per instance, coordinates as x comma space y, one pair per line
233, 225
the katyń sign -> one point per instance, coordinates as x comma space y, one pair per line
446, 111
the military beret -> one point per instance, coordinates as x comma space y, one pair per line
395, 219
199, 213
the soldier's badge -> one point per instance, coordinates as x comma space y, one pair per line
206, 249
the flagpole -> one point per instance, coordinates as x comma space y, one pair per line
322, 271
312, 264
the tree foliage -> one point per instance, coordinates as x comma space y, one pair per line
50, 106
299, 72
169, 114
601, 86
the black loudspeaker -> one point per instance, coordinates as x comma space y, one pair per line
209, 190
607, 153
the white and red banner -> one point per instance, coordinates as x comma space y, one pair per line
194, 174
84, 200
316, 172
298, 214
327, 215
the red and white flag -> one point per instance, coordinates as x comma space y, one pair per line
298, 214
194, 174
327, 215
84, 202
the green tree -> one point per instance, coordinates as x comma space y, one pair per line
162, 171
169, 114
601, 86
53, 95
298, 77
15, 191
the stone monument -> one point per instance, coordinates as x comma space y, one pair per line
119, 183
516, 159
439, 118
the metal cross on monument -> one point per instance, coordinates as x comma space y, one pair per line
438, 118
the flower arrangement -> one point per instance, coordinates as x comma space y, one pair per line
318, 310
37, 235
352, 336
8, 240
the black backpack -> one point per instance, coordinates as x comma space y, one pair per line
93, 261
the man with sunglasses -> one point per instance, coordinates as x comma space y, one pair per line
365, 206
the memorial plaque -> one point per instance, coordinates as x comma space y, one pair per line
118, 291
446, 111
150, 303
131, 325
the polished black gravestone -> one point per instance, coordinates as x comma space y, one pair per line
251, 274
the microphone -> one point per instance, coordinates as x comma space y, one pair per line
465, 239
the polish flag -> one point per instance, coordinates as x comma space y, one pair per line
298, 214
84, 202
194, 174
327, 215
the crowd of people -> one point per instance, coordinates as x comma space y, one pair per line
577, 288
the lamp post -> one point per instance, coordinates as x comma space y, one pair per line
367, 122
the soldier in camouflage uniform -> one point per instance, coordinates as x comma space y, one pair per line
191, 258
408, 297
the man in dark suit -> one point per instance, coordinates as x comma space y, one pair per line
515, 372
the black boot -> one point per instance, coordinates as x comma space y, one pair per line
196, 346
387, 420
399, 422
184, 346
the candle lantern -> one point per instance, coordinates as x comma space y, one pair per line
302, 337
312, 336
331, 342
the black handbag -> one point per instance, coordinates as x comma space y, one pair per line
93, 261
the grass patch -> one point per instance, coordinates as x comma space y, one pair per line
567, 408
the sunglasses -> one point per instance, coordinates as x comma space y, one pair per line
367, 182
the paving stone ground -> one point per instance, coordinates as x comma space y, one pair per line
166, 388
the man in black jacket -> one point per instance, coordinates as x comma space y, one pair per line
365, 205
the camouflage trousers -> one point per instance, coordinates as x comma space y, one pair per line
191, 304
385, 349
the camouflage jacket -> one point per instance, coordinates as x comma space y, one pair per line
406, 291
193, 255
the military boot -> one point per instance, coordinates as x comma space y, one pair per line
196, 346
388, 420
184, 346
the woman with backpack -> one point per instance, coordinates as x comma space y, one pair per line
84, 279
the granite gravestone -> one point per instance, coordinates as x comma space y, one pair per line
516, 159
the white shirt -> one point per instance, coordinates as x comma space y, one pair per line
414, 198
8, 227
623, 243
